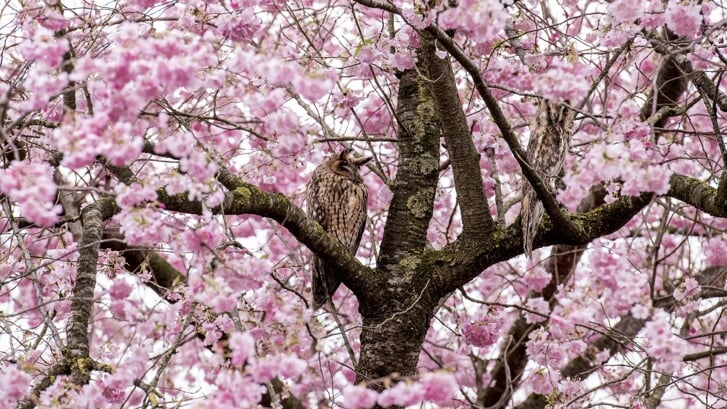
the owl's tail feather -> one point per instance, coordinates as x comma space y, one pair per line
324, 283
532, 213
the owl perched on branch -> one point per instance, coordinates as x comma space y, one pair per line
337, 201
547, 148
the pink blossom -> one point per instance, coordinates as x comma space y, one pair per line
626, 11
439, 387
242, 4
234, 390
701, 57
683, 19
284, 365
16, 383
53, 20
540, 308
316, 85
243, 346
480, 20
418, 21
141, 226
537, 277
122, 146
219, 301
660, 343
114, 395
42, 87
543, 382
403, 393
30, 184
134, 194
401, 61
714, 251
282, 121
551, 85
291, 366
215, 199
640, 311
481, 333
689, 288
204, 237
355, 397
120, 290
570, 389
198, 166
212, 333
210, 83
44, 48
241, 26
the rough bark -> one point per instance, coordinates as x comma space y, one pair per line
77, 346
76, 360
390, 343
698, 194
683, 65
416, 178
396, 321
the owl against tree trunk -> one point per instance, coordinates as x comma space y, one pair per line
547, 148
337, 201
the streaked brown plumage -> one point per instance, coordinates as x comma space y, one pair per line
547, 148
337, 200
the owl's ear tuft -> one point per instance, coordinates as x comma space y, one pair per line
360, 161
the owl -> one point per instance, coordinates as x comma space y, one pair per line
547, 148
337, 201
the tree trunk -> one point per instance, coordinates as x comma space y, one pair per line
396, 317
390, 344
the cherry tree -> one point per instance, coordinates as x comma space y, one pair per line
154, 160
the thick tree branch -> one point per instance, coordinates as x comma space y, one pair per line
390, 7
711, 109
415, 184
477, 221
669, 86
93, 217
698, 194
246, 198
698, 78
458, 263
